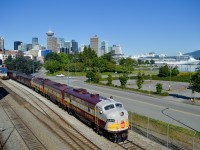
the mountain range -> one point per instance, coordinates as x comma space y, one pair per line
195, 54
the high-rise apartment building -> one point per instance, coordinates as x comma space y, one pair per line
34, 42
94, 44
1, 43
17, 44
52, 42
104, 47
61, 42
117, 49
67, 47
74, 47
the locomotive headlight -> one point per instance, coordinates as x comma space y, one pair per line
122, 113
110, 120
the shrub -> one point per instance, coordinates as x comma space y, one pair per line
97, 77
110, 78
159, 88
90, 75
140, 80
123, 80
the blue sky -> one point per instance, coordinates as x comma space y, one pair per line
139, 26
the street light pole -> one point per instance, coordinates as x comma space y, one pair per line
75, 68
190, 74
33, 66
170, 78
16, 66
68, 71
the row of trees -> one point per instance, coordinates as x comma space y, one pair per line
165, 71
87, 61
22, 64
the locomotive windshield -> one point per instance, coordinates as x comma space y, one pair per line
108, 107
111, 106
118, 105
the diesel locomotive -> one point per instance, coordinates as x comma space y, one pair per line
105, 115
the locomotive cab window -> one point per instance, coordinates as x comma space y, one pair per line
118, 105
108, 107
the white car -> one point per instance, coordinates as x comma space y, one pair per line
60, 75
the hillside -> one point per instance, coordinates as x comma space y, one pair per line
195, 54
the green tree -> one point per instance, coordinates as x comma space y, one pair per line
78, 67
52, 66
88, 64
164, 71
87, 53
110, 79
159, 88
123, 80
100, 63
147, 62
152, 61
127, 64
195, 81
10, 63
97, 77
109, 57
140, 80
111, 67
22, 64
140, 62
52, 56
175, 71
90, 75
64, 60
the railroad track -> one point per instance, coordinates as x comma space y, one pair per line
129, 145
31, 141
55, 122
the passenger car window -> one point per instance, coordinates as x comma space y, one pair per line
118, 105
109, 107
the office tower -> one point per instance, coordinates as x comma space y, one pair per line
16, 44
74, 47
104, 47
117, 49
1, 43
29, 46
52, 42
34, 41
61, 42
23, 47
67, 47
94, 44
109, 49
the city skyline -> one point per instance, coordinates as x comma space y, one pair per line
138, 26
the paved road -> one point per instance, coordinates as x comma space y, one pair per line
154, 107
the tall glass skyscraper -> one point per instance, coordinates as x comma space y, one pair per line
34, 41
16, 44
104, 47
67, 47
74, 46
61, 42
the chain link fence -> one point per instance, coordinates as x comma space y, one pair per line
171, 136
